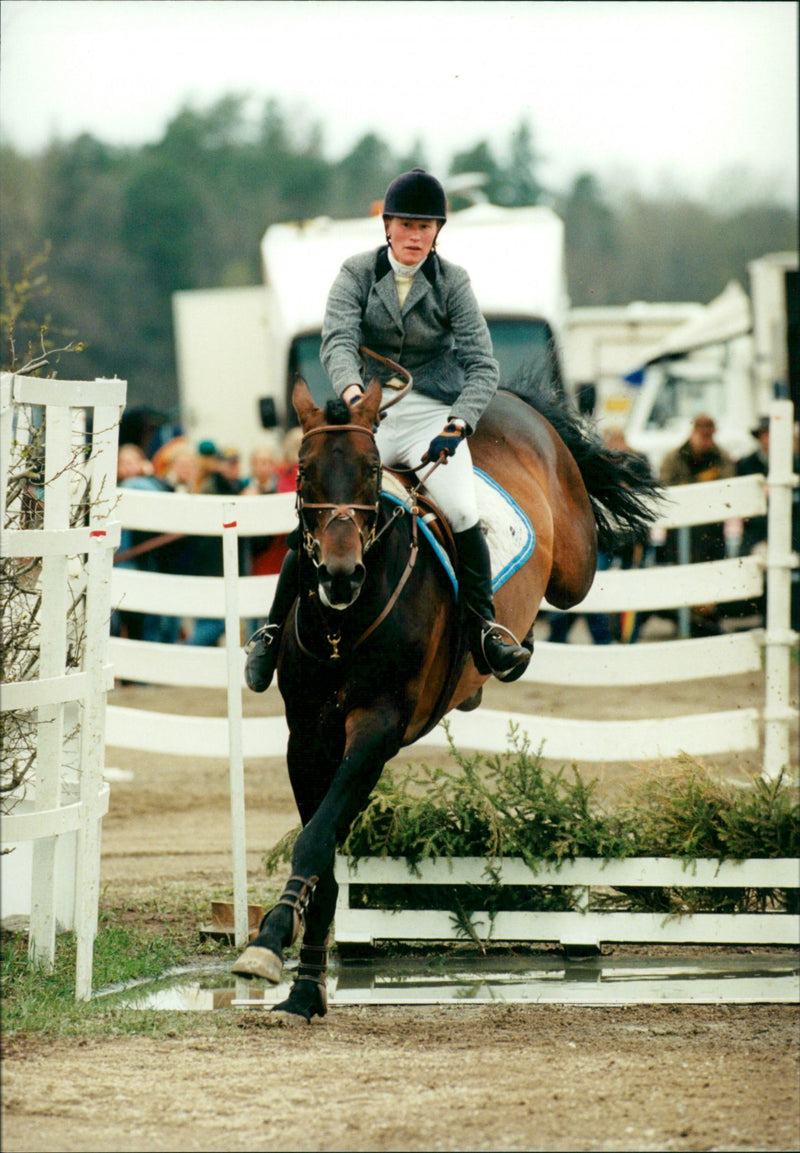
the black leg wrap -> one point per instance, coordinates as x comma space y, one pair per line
309, 993
296, 895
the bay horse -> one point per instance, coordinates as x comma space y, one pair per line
373, 653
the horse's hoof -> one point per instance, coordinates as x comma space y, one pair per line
256, 961
282, 1019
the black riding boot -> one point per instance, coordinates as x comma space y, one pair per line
262, 648
494, 648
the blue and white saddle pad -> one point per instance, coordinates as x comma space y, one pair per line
509, 532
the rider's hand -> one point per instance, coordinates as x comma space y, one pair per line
446, 443
352, 394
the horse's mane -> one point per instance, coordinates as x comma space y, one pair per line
622, 489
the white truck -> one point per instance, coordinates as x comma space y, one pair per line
238, 349
729, 361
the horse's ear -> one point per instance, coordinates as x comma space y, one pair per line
308, 413
366, 411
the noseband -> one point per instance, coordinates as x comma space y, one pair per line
338, 512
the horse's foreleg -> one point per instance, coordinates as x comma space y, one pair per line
308, 996
372, 737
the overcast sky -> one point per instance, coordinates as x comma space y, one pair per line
639, 92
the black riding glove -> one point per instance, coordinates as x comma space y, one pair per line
446, 443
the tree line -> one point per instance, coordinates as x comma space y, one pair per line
109, 233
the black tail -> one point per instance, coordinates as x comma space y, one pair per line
622, 489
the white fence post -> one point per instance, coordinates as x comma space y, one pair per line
230, 562
780, 561
72, 667
52, 660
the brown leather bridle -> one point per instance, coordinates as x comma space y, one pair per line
344, 511
347, 511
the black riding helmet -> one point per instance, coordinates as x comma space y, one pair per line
415, 195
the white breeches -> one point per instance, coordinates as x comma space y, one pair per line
405, 434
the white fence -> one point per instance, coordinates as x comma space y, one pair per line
581, 925
73, 533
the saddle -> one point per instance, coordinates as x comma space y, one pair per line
399, 486
509, 532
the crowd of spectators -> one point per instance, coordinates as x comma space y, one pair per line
179, 467
699, 458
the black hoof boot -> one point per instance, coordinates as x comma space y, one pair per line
262, 657
308, 997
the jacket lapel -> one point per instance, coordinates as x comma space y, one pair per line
386, 291
420, 285
385, 288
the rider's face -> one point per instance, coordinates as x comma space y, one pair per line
411, 240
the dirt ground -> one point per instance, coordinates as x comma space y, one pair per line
455, 1077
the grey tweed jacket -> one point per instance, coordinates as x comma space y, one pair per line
439, 335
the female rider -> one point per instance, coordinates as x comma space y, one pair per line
405, 302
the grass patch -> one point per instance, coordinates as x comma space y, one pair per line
137, 940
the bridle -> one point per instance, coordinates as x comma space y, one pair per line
345, 511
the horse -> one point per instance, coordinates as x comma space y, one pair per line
373, 653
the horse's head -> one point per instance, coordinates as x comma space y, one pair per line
338, 490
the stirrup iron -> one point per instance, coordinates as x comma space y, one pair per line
521, 659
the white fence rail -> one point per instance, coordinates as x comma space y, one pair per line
67, 702
581, 925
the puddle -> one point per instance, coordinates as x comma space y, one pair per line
510, 980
